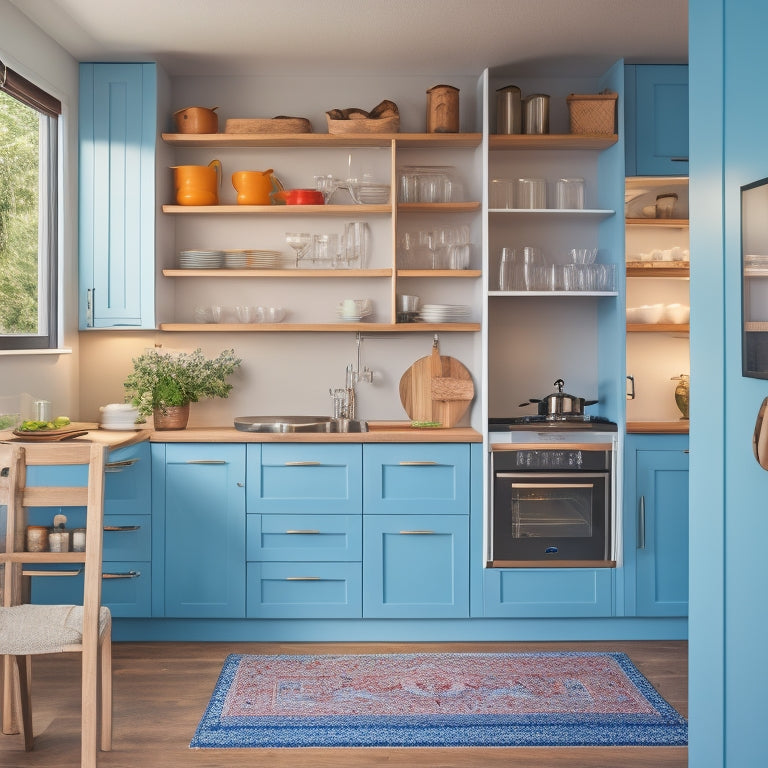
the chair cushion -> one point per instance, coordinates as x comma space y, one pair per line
32, 629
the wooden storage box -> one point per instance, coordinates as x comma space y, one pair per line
269, 125
365, 125
593, 113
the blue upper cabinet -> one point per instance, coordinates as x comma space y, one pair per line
118, 126
656, 120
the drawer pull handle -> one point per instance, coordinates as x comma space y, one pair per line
302, 578
119, 528
124, 575
205, 461
418, 463
417, 533
303, 464
301, 531
52, 573
119, 466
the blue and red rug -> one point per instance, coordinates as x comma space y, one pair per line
436, 700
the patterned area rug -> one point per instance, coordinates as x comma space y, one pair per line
436, 700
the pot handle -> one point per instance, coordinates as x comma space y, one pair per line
591, 402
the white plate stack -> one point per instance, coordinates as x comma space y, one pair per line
200, 259
445, 313
118, 416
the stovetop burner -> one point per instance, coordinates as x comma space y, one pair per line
570, 421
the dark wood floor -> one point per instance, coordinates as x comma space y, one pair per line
162, 689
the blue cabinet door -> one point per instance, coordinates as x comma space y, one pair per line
415, 566
204, 530
118, 128
305, 478
416, 478
548, 592
656, 120
662, 533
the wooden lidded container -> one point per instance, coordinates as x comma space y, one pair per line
443, 109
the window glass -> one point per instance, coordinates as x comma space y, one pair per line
27, 226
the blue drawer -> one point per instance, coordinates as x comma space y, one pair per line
303, 478
128, 486
304, 537
416, 478
304, 591
125, 588
548, 592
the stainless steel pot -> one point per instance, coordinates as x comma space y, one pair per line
560, 403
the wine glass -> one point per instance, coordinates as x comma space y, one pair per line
300, 242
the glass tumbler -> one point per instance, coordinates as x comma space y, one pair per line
355, 248
569, 194
531, 193
506, 267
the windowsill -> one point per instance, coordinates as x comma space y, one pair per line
12, 352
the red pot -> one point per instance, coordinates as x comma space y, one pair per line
299, 196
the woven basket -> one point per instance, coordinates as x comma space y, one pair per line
593, 113
365, 125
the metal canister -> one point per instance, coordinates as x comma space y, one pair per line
509, 110
536, 113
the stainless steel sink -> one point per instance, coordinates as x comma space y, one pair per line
298, 424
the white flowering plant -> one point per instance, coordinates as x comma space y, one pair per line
163, 379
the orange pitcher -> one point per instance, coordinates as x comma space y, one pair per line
197, 184
254, 187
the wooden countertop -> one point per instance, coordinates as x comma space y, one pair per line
658, 427
379, 432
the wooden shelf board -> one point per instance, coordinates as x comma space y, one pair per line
658, 328
312, 273
280, 210
552, 141
553, 293
679, 427
658, 269
439, 273
224, 140
473, 205
320, 327
679, 223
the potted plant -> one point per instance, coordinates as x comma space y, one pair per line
165, 383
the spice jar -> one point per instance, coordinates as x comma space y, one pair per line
78, 540
37, 538
58, 540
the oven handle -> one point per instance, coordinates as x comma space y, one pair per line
641, 524
549, 485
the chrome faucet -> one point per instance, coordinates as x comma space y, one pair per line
345, 399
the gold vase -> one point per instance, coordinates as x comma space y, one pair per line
174, 417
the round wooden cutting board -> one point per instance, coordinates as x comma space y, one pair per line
436, 388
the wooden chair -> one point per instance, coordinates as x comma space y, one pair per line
26, 629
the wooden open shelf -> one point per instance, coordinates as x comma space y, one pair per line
658, 269
313, 273
658, 328
280, 210
322, 327
679, 223
552, 141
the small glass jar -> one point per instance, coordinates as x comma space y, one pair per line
37, 538
78, 540
58, 540
665, 205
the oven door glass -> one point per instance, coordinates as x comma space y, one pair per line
558, 516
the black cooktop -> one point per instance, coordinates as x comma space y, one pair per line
504, 424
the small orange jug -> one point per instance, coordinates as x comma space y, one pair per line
197, 184
254, 187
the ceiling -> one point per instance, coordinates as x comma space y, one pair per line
419, 37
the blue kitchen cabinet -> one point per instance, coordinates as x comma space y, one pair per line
118, 129
548, 592
127, 557
304, 532
415, 566
416, 478
199, 499
656, 120
656, 525
416, 530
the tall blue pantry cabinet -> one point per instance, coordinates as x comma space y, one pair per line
118, 132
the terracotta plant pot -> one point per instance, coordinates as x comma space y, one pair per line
175, 417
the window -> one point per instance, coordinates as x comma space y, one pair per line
28, 214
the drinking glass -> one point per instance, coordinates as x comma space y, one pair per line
506, 267
355, 243
531, 193
569, 194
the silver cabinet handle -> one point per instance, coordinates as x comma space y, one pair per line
417, 533
89, 308
121, 528
205, 461
302, 578
303, 464
119, 466
300, 531
641, 524
124, 575
418, 463
686, 450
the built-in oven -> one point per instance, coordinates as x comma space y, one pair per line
551, 499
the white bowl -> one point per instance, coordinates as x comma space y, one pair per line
679, 314
647, 314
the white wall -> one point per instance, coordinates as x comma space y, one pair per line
31, 53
